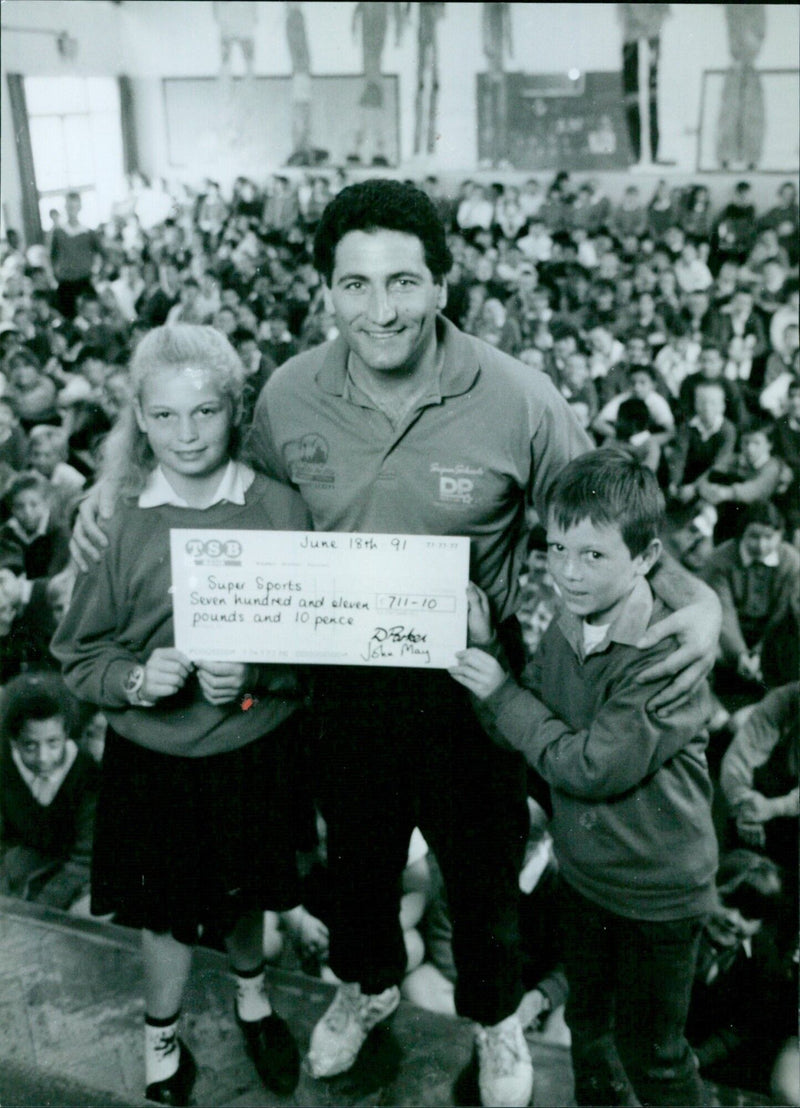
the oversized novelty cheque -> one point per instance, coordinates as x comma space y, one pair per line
320, 598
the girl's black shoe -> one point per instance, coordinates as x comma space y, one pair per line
177, 1089
273, 1051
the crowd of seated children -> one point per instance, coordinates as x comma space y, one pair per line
669, 323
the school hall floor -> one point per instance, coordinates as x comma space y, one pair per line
71, 1019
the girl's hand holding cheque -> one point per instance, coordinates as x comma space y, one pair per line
223, 682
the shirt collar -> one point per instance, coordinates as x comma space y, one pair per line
25, 536
772, 560
44, 789
460, 364
706, 432
233, 485
626, 629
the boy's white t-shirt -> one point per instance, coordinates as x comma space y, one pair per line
593, 635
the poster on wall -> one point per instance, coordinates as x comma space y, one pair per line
778, 149
557, 121
256, 122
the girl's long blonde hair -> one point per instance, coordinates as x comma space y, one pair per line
127, 457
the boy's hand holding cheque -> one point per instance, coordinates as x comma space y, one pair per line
479, 672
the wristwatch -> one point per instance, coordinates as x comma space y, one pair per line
133, 685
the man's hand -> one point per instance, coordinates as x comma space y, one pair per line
165, 672
479, 672
222, 682
88, 538
479, 616
696, 627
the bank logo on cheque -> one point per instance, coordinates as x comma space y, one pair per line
457, 483
215, 552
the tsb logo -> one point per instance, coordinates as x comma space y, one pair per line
214, 549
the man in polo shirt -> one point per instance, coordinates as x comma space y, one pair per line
405, 424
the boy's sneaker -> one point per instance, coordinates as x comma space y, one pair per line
342, 1031
505, 1069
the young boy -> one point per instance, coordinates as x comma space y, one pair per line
33, 541
630, 790
48, 790
755, 575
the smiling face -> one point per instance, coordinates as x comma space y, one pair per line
594, 569
188, 422
385, 301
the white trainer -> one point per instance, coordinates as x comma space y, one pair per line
342, 1031
505, 1069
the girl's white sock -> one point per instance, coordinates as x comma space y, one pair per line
252, 1002
162, 1051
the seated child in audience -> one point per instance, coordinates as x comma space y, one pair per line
744, 998
577, 388
30, 392
643, 387
706, 443
183, 738
28, 616
34, 542
754, 576
786, 437
710, 367
752, 474
677, 358
13, 443
759, 781
47, 454
48, 792
780, 370
605, 351
633, 431
630, 790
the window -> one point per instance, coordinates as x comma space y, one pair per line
76, 140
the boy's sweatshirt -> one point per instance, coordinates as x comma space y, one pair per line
631, 792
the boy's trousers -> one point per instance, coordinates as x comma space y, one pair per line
630, 982
399, 748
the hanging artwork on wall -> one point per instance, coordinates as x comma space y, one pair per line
555, 121
778, 148
497, 44
641, 51
426, 104
740, 135
371, 20
267, 135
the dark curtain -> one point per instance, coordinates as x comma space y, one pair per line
32, 224
130, 153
